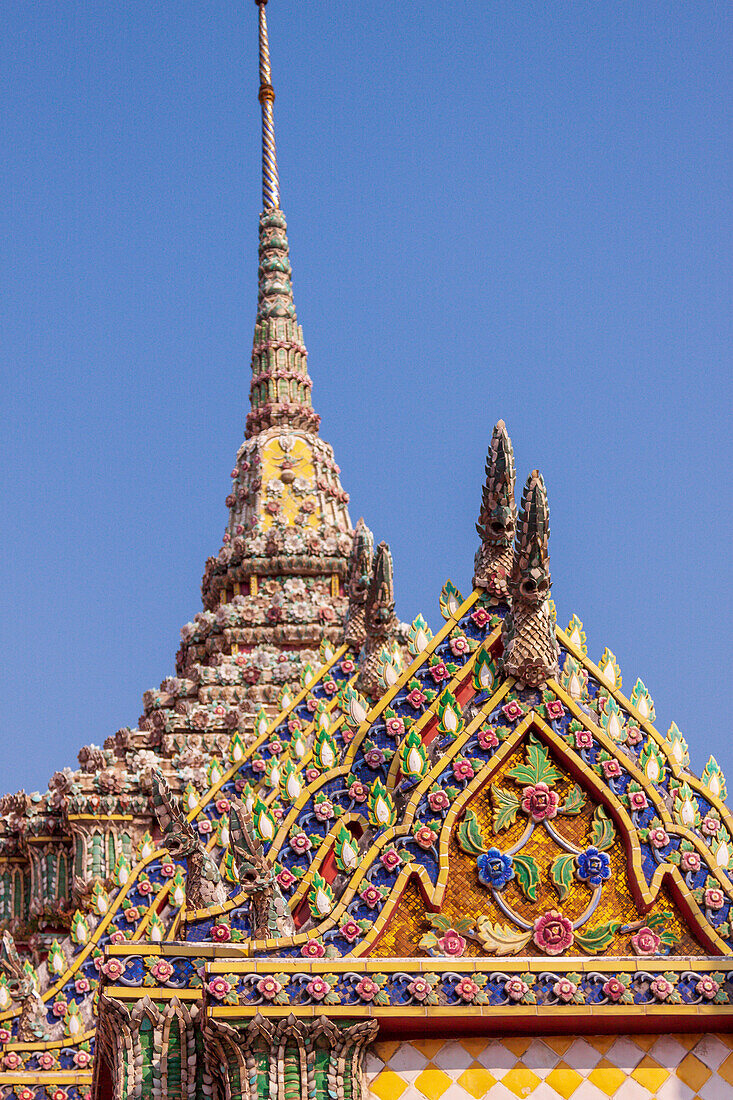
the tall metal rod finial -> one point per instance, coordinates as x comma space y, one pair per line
270, 178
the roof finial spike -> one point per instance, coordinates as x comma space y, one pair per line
498, 517
270, 178
530, 647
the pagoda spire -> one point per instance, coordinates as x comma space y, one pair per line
280, 390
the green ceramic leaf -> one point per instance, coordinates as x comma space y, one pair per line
562, 875
597, 939
574, 802
528, 875
469, 835
506, 806
538, 768
603, 834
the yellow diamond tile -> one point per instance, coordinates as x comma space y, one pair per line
473, 1046
516, 1045
564, 1080
725, 1070
688, 1041
388, 1085
607, 1077
725, 1037
428, 1047
558, 1043
384, 1050
650, 1074
520, 1080
693, 1072
476, 1080
601, 1043
432, 1082
646, 1042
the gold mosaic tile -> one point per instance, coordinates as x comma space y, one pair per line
619, 1067
465, 896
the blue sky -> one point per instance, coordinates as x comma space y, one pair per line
496, 209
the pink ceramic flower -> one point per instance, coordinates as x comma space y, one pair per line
117, 936
113, 969
513, 711
707, 987
555, 709
162, 970
347, 667
258, 766
391, 859
219, 987
480, 617
350, 930
318, 988
330, 687
714, 898
395, 727
462, 769
416, 698
553, 933
46, 1060
451, 943
658, 837
634, 735
323, 810
11, 1060
459, 646
710, 826
646, 942
425, 837
515, 989
82, 1058
311, 774
439, 672
81, 985
367, 989
661, 987
583, 739
24, 1093
614, 989
564, 990
60, 1007
300, 843
540, 802
466, 989
132, 914
638, 801
419, 988
268, 987
58, 1094
690, 861
4, 1035
611, 769
438, 800
285, 879
167, 869
145, 887
358, 791
313, 949
221, 933
487, 739
371, 896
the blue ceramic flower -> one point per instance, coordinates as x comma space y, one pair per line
495, 869
594, 867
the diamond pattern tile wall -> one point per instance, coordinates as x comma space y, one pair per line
596, 1067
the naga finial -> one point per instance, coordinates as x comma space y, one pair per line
380, 618
204, 886
357, 585
530, 647
497, 519
269, 912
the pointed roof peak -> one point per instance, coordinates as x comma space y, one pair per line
280, 390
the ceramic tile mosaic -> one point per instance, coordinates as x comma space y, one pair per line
594, 1067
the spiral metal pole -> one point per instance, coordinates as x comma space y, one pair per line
270, 178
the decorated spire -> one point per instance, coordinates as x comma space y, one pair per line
280, 390
497, 519
530, 648
357, 585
